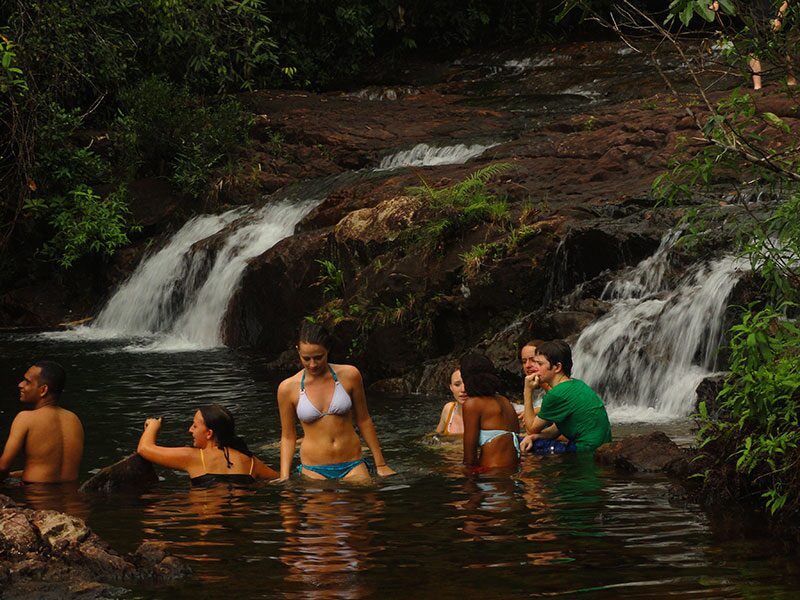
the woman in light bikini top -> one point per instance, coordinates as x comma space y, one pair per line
325, 398
451, 421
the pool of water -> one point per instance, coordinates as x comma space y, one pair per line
561, 527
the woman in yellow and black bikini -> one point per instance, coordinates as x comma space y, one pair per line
218, 455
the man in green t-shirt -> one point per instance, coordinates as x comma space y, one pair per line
571, 408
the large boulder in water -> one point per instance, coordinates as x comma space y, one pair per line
651, 452
131, 474
48, 554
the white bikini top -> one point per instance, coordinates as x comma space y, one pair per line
340, 402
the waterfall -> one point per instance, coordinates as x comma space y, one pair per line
423, 155
647, 355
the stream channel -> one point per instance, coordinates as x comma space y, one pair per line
561, 527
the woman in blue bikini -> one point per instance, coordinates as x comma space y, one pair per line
324, 398
490, 422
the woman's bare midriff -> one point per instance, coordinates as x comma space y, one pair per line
330, 440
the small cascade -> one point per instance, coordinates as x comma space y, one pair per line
177, 298
423, 155
647, 355
147, 301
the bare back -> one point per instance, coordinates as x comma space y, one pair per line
53, 445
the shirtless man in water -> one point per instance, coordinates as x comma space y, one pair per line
50, 436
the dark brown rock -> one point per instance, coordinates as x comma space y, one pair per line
47, 554
131, 474
644, 453
17, 534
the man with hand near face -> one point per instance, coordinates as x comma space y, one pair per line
571, 408
51, 437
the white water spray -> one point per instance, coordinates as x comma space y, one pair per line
423, 155
177, 298
647, 355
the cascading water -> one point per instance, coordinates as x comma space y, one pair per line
423, 155
647, 355
175, 295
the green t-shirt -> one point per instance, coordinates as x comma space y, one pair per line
578, 412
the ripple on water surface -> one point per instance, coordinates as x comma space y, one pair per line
560, 527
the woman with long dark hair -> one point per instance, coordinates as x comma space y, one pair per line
325, 398
218, 455
490, 422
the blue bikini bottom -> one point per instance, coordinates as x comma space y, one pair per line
552, 447
334, 471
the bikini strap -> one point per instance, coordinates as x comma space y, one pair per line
303, 378
450, 417
203, 459
252, 462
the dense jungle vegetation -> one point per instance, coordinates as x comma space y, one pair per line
96, 95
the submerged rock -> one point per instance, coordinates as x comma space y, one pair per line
131, 474
648, 453
47, 554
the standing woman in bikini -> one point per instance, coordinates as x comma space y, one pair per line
490, 422
325, 398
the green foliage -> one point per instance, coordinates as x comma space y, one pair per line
83, 223
762, 400
12, 81
331, 279
741, 144
212, 44
460, 206
164, 130
479, 255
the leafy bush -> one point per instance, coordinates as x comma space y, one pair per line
164, 130
83, 223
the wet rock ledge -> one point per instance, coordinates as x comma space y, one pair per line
47, 554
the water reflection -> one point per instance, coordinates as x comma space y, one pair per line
561, 526
329, 540
61, 497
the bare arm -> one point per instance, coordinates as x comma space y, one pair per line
14, 444
529, 414
442, 426
540, 430
262, 471
472, 425
288, 426
172, 458
365, 424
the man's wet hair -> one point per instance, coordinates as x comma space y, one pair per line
557, 351
479, 375
53, 375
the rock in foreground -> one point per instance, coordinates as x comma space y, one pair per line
48, 554
648, 453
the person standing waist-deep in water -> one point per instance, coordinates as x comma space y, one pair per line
490, 422
570, 408
325, 398
51, 437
